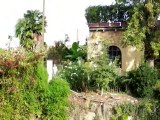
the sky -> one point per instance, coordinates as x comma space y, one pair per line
63, 17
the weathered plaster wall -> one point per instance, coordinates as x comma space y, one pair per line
131, 57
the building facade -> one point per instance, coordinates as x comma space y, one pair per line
129, 57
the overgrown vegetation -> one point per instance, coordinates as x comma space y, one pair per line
141, 82
61, 54
57, 100
112, 13
103, 71
142, 30
77, 52
102, 74
57, 53
76, 73
141, 16
84, 76
24, 89
144, 110
26, 93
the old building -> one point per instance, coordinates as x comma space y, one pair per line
128, 56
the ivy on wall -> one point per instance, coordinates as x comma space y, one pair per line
112, 13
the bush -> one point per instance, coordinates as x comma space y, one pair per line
77, 52
58, 52
76, 74
22, 84
102, 76
143, 110
103, 72
57, 100
83, 76
157, 90
122, 83
24, 89
142, 80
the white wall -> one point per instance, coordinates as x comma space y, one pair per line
50, 69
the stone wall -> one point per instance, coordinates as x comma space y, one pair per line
95, 106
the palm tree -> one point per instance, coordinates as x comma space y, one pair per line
29, 29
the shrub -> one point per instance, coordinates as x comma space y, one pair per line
143, 110
60, 54
122, 83
142, 80
57, 102
21, 85
24, 89
103, 71
57, 53
76, 74
77, 52
102, 76
157, 90
83, 76
157, 87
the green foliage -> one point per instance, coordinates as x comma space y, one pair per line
103, 71
57, 100
24, 88
133, 27
74, 69
83, 76
113, 13
123, 111
144, 110
76, 52
18, 85
157, 90
29, 25
142, 30
58, 52
141, 16
76, 74
122, 83
142, 80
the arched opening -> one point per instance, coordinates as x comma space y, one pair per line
115, 53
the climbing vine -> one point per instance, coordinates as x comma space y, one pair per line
112, 13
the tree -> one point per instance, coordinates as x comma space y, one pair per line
29, 28
58, 52
112, 13
142, 30
77, 52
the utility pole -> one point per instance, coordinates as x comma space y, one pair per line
77, 35
43, 24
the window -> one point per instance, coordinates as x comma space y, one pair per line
115, 53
